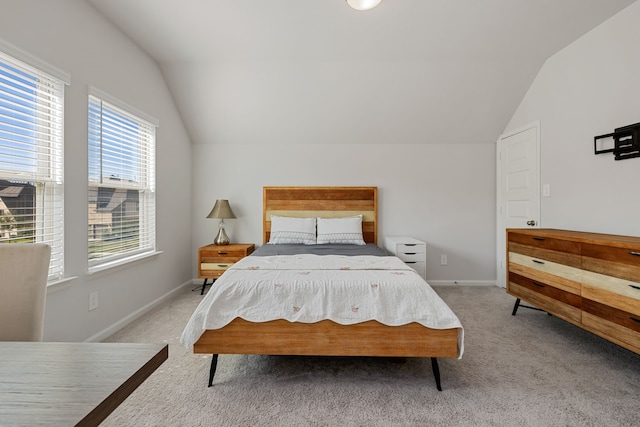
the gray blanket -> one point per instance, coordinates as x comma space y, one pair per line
329, 249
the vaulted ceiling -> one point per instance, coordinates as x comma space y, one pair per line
415, 71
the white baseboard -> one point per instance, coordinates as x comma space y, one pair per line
107, 332
462, 282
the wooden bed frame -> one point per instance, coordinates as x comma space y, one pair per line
326, 338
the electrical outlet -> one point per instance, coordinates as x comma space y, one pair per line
93, 300
443, 259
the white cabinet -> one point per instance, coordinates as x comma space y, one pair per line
412, 251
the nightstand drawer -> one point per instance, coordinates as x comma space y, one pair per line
411, 248
214, 266
221, 253
411, 256
419, 266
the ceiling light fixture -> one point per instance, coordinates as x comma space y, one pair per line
363, 4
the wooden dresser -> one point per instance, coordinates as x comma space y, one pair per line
591, 280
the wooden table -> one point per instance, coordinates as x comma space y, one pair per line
66, 384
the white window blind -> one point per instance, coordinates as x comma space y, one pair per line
31, 159
121, 207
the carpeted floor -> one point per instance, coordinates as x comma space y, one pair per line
528, 370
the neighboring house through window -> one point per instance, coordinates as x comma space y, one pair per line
31, 156
122, 204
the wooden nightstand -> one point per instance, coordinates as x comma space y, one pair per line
213, 260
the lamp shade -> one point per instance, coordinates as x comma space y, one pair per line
363, 4
221, 210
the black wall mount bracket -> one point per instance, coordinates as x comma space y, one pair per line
624, 142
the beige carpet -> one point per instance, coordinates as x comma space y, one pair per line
527, 370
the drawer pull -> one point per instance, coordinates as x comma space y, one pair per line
634, 319
540, 285
538, 238
634, 287
635, 253
409, 253
222, 265
410, 262
537, 262
222, 253
410, 244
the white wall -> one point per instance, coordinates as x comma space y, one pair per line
443, 194
588, 89
74, 37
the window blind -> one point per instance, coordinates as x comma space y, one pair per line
121, 183
31, 159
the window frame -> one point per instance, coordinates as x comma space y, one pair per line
47, 175
146, 188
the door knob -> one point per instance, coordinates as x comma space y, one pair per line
531, 222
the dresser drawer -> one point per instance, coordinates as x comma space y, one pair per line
563, 304
558, 275
618, 293
623, 263
546, 248
618, 326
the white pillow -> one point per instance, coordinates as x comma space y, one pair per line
287, 230
340, 230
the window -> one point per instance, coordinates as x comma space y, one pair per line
122, 206
31, 158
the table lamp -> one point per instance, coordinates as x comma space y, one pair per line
221, 210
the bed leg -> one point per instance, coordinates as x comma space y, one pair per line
436, 372
212, 370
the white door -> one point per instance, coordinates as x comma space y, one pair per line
518, 190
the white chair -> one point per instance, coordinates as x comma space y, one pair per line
24, 268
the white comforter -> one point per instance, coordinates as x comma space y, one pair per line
309, 288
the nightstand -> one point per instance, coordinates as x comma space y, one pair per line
213, 260
412, 251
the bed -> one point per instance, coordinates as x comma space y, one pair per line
233, 320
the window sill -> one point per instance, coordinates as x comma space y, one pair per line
60, 284
122, 262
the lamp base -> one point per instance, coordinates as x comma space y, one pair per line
222, 238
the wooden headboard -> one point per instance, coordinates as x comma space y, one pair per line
327, 202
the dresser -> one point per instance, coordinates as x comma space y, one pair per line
591, 280
412, 251
213, 260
